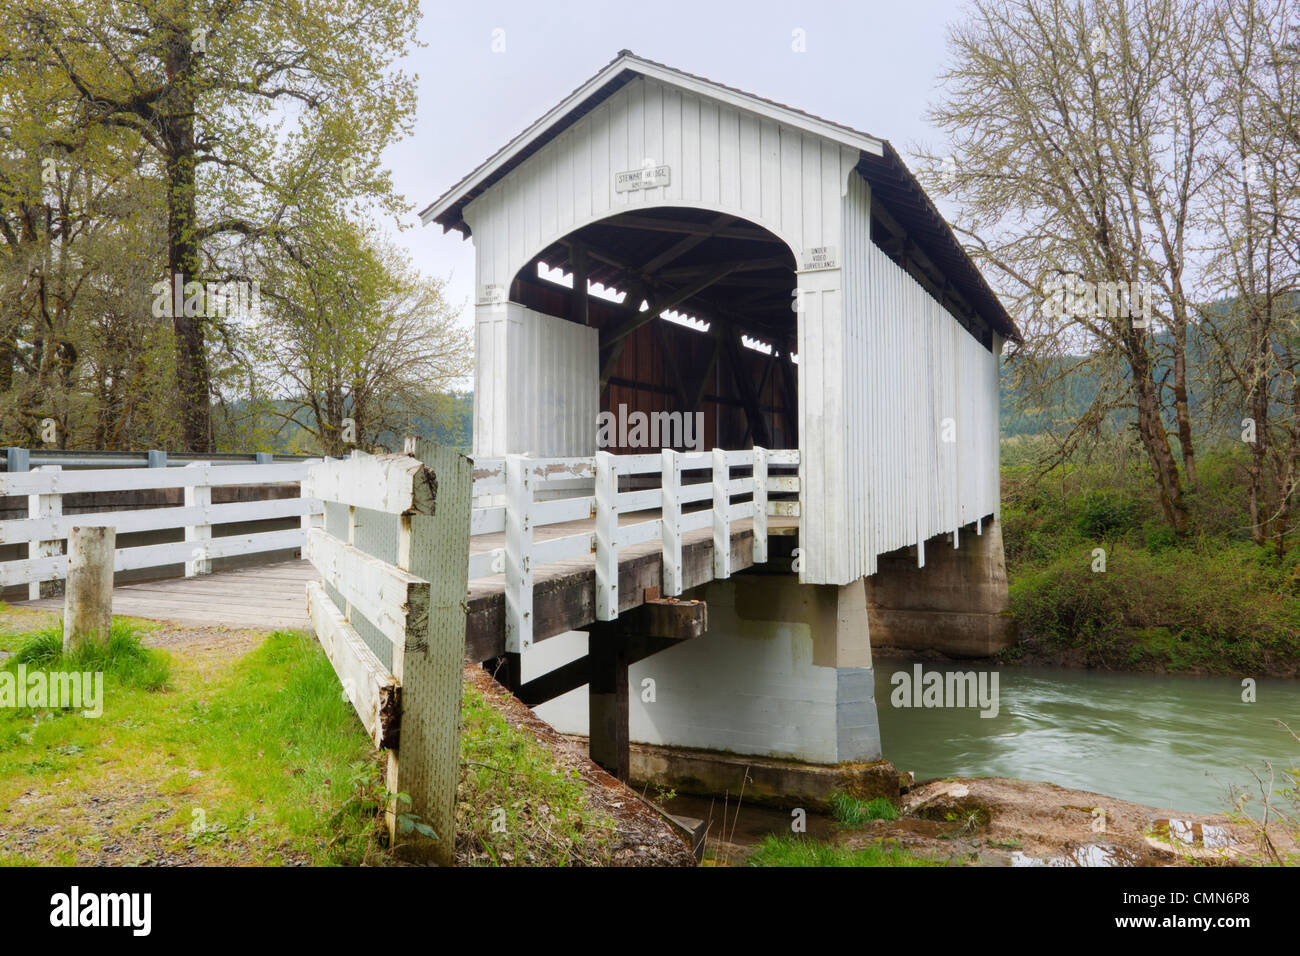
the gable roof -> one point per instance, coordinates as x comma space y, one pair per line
879, 164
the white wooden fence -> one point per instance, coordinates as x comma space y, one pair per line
46, 526
694, 491
418, 605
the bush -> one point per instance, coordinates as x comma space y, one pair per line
1105, 515
1211, 609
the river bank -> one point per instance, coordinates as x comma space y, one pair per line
1098, 579
994, 821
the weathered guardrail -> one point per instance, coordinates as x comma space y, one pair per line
418, 604
695, 491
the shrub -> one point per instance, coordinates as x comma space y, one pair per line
1104, 515
1209, 609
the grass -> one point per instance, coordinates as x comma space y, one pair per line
516, 805
247, 752
786, 850
195, 759
123, 656
853, 812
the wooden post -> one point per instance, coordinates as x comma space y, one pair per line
721, 515
606, 536
43, 506
671, 515
199, 534
88, 610
760, 505
519, 548
308, 520
607, 700
437, 550
578, 260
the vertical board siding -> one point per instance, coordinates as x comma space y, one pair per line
555, 380
911, 366
720, 157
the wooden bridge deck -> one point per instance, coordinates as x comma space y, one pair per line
274, 595
266, 597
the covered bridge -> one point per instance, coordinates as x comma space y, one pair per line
662, 244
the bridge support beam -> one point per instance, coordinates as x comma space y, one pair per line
607, 699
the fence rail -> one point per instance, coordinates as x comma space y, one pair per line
418, 605
692, 491
46, 526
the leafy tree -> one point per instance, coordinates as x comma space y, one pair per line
350, 355
247, 110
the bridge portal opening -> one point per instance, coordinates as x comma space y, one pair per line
695, 315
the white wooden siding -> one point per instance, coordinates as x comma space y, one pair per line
910, 367
721, 158
537, 386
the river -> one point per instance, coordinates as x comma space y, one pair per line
1170, 742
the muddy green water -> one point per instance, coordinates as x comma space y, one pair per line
1171, 742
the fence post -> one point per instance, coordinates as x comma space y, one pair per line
198, 495
310, 520
672, 522
88, 610
44, 506
519, 549
431, 671
721, 516
760, 505
606, 536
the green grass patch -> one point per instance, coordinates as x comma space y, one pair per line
122, 656
221, 754
853, 812
196, 759
516, 806
786, 850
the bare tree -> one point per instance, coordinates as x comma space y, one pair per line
1076, 132
1252, 283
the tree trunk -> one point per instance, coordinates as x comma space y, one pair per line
1151, 429
176, 115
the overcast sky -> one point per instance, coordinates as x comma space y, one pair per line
870, 65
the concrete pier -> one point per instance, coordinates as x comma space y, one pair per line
956, 605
